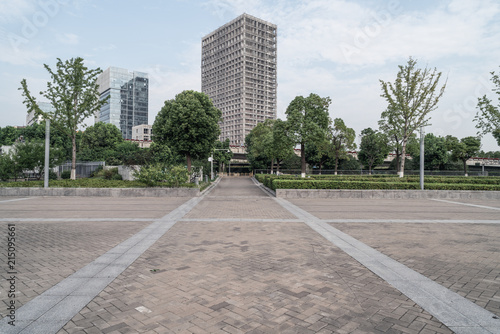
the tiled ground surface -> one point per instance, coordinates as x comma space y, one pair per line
47, 252
247, 277
89, 207
255, 277
462, 257
350, 208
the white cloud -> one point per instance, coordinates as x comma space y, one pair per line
109, 47
68, 39
12, 11
13, 51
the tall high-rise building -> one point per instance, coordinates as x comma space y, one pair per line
128, 102
238, 72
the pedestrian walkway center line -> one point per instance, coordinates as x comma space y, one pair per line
456, 312
467, 204
51, 310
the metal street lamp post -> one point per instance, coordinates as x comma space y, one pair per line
47, 154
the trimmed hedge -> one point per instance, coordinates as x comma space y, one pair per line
392, 181
334, 184
86, 183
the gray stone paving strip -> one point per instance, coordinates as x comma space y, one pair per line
246, 220
457, 313
414, 221
51, 310
467, 204
16, 199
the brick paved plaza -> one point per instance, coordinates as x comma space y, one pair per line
237, 260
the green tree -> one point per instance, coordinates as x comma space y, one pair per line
496, 135
342, 140
9, 135
410, 99
488, 116
188, 124
7, 167
436, 152
319, 153
281, 144
30, 157
162, 154
308, 120
258, 150
349, 163
222, 153
101, 136
464, 149
373, 149
74, 96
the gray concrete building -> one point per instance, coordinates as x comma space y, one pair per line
128, 103
238, 72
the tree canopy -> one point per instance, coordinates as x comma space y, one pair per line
308, 121
342, 140
488, 116
412, 96
257, 144
74, 96
373, 149
464, 149
188, 125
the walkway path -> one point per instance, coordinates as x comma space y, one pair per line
239, 261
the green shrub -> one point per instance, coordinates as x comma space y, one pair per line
150, 175
66, 174
177, 175
116, 177
96, 171
52, 175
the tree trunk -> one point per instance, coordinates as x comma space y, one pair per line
188, 157
320, 165
336, 164
272, 165
73, 157
465, 167
401, 171
397, 159
369, 169
303, 160
278, 166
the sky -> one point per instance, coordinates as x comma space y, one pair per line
336, 48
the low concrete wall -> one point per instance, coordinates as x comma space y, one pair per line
390, 194
104, 192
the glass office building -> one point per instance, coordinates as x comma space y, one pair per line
128, 102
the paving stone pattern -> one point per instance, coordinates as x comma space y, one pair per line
47, 252
461, 257
248, 277
392, 209
240, 263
